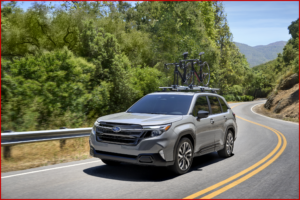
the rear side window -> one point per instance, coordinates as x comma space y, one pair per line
215, 105
224, 107
201, 104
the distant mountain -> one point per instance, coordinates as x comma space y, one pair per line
262, 53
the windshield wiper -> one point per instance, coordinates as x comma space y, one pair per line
147, 113
158, 113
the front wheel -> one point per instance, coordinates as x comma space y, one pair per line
184, 156
229, 144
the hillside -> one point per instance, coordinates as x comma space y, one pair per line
283, 73
284, 102
263, 66
262, 53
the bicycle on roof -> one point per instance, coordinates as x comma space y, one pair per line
190, 73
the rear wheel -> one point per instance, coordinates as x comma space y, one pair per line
110, 162
188, 75
229, 144
205, 74
184, 156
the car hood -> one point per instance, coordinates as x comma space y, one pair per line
140, 118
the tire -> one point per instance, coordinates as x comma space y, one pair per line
185, 150
228, 148
110, 162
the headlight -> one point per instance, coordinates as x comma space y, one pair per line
156, 130
95, 127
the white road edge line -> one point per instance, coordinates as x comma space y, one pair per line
270, 117
49, 169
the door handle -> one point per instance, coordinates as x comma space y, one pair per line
212, 121
225, 118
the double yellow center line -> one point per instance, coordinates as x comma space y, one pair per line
259, 164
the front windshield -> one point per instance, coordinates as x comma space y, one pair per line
162, 104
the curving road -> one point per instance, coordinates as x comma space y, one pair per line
265, 164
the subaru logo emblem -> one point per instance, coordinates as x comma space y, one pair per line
116, 129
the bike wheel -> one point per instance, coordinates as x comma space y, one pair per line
188, 76
205, 74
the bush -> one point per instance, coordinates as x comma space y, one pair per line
231, 97
44, 86
247, 98
236, 90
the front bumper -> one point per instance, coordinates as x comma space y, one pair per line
141, 159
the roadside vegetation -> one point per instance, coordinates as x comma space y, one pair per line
65, 66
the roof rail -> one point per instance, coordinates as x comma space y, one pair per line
189, 88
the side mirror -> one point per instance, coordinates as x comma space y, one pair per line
202, 114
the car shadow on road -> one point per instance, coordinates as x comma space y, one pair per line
136, 173
206, 160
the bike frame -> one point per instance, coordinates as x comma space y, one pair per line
177, 73
193, 71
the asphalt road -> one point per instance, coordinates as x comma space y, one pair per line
263, 166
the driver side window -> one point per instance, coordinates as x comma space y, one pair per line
201, 104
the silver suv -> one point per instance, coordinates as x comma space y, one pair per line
166, 129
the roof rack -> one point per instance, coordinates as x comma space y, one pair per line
189, 88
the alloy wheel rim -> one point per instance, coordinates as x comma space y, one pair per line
229, 143
184, 156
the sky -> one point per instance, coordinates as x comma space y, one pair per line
252, 22
260, 22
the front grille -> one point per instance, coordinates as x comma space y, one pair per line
122, 126
125, 133
129, 134
117, 139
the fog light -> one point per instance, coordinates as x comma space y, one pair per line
161, 153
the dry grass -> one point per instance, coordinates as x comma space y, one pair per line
263, 111
25, 156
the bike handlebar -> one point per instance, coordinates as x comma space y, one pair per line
185, 54
170, 64
190, 60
